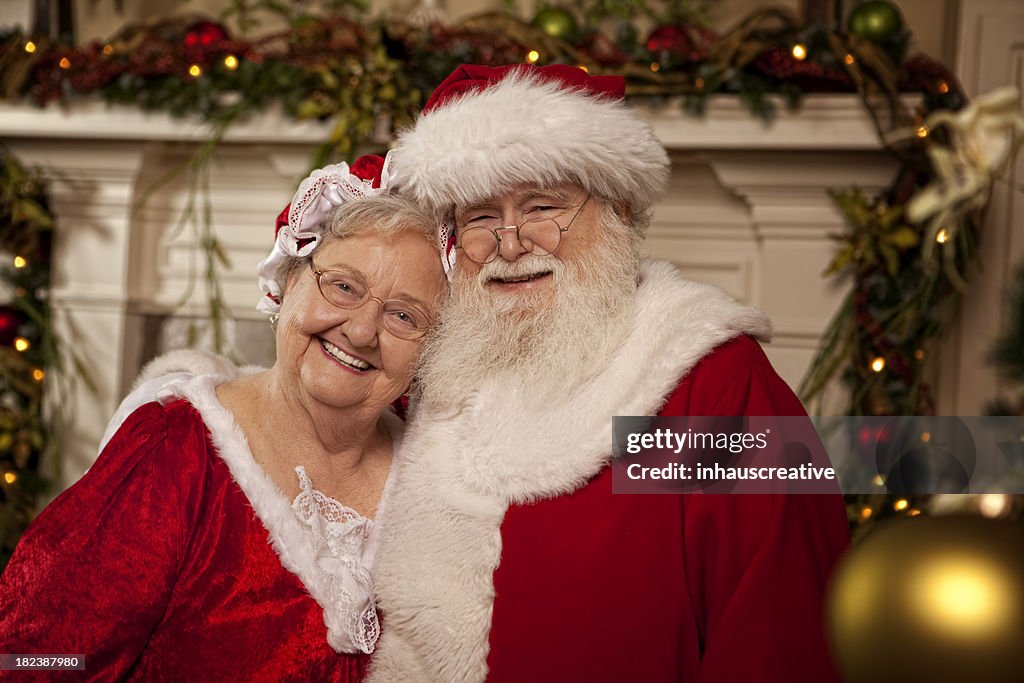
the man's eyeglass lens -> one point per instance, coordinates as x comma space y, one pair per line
541, 237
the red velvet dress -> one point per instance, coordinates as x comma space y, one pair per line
155, 568
698, 588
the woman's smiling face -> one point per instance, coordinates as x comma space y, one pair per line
343, 357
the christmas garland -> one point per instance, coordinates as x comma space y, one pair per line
28, 348
1007, 352
359, 72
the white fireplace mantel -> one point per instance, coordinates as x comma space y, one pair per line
747, 210
822, 122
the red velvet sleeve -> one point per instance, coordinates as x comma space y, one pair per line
757, 565
94, 572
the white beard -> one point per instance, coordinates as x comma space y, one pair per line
541, 342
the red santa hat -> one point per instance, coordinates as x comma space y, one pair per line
299, 228
486, 129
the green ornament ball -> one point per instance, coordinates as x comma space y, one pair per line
556, 22
876, 20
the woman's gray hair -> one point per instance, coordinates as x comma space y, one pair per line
384, 215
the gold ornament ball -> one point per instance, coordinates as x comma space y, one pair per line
936, 599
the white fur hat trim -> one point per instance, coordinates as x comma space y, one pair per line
527, 131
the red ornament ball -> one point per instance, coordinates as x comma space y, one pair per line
204, 34
10, 324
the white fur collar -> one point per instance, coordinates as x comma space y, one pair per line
441, 538
194, 376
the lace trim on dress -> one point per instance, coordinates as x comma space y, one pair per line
340, 537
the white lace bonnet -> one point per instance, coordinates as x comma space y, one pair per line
300, 225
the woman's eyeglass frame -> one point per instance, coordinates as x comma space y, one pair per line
385, 305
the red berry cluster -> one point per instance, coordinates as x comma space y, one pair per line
780, 63
163, 51
488, 48
685, 43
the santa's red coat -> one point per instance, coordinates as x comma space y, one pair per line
600, 587
506, 556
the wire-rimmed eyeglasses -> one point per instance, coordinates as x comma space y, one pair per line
345, 289
539, 236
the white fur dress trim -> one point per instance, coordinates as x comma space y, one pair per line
440, 538
194, 376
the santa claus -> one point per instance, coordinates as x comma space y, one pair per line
504, 554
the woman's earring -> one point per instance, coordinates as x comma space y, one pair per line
273, 321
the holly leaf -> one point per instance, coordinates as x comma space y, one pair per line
891, 257
36, 439
842, 259
328, 78
890, 217
32, 212
904, 238
853, 204
310, 108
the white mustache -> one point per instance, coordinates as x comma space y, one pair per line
527, 264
